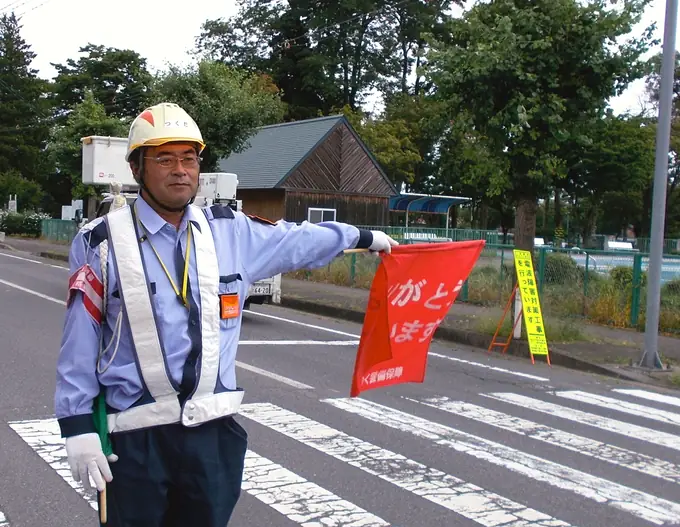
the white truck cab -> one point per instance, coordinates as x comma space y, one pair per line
220, 187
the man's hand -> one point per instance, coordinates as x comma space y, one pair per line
85, 456
382, 242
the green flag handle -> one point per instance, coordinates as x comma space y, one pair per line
101, 426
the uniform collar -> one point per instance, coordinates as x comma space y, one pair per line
153, 222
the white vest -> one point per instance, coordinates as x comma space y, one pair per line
204, 404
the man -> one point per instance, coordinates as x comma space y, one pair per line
157, 328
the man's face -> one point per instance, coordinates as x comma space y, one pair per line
171, 172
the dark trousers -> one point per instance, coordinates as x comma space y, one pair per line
172, 476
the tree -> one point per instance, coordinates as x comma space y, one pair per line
24, 111
425, 120
673, 195
65, 150
226, 103
390, 143
326, 54
616, 168
467, 166
404, 42
118, 79
654, 79
29, 194
529, 75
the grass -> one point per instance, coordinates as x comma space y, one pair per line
556, 331
675, 380
568, 298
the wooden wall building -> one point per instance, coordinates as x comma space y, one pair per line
314, 170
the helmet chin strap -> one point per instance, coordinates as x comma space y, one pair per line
146, 190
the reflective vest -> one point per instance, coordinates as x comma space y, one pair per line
204, 404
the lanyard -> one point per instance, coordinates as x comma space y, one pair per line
185, 277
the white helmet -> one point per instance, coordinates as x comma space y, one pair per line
163, 123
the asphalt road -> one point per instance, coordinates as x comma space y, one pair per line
485, 440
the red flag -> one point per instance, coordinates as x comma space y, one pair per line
412, 291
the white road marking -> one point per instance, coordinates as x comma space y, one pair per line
301, 501
629, 459
339, 343
438, 355
30, 291
470, 501
494, 368
629, 430
650, 396
280, 378
638, 410
44, 437
299, 342
275, 376
638, 503
305, 324
33, 261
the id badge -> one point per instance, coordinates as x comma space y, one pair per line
229, 306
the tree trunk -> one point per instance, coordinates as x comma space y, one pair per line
545, 211
558, 208
590, 226
525, 223
484, 216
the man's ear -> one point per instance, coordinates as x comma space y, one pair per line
134, 167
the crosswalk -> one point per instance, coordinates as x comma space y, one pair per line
615, 451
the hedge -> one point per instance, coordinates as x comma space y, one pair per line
24, 224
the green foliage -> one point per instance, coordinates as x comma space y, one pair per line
612, 172
562, 269
24, 109
226, 103
528, 77
622, 276
65, 149
506, 104
28, 224
29, 193
327, 54
566, 302
117, 78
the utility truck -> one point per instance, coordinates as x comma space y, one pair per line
104, 165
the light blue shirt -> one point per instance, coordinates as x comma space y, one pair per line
256, 250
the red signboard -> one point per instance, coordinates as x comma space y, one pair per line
411, 293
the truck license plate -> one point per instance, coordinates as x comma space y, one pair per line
260, 289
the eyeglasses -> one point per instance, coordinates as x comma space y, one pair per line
169, 161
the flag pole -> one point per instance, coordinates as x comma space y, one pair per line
100, 424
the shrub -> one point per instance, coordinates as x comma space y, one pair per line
27, 224
561, 269
623, 276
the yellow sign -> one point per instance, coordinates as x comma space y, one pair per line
531, 304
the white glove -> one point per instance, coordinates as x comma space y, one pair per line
85, 455
382, 242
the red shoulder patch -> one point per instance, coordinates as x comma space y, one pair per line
260, 219
87, 282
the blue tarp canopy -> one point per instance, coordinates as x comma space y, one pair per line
425, 203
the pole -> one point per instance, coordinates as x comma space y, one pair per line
650, 355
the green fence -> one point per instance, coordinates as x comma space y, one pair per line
59, 230
605, 287
670, 246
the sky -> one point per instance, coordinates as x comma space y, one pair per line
163, 32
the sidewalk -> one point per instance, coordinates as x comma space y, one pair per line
606, 351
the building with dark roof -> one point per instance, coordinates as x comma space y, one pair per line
314, 170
